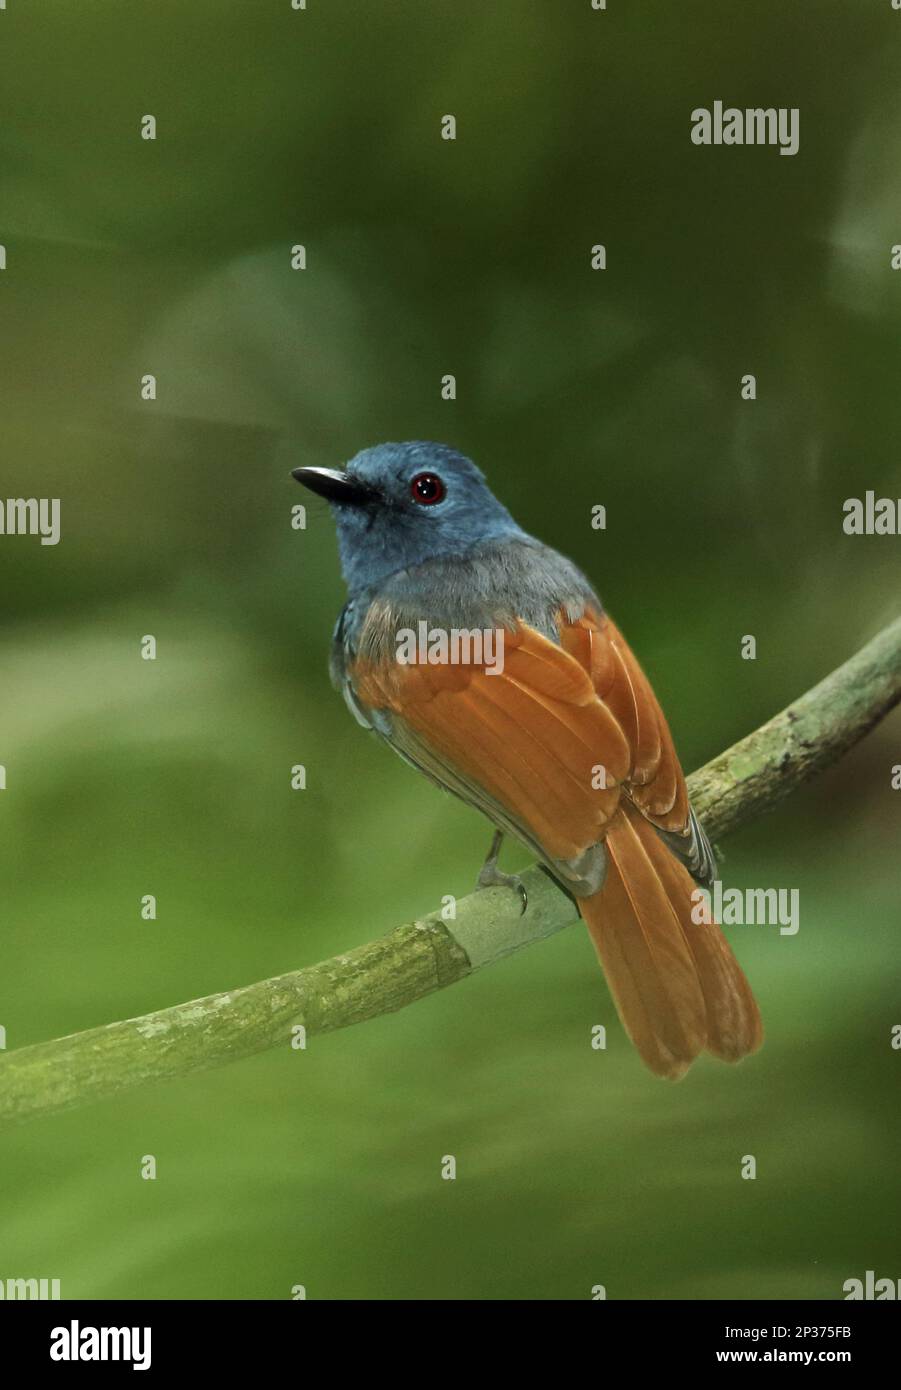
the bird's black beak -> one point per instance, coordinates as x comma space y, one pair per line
334, 485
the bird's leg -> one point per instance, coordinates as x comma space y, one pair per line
493, 877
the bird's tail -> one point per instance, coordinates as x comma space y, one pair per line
676, 984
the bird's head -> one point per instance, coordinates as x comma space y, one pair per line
398, 505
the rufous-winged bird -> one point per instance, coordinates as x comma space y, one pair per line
422, 539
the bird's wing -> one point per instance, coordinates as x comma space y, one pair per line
656, 783
546, 748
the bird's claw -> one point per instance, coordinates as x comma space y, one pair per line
493, 877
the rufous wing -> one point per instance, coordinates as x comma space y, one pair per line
568, 747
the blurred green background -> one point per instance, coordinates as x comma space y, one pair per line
575, 387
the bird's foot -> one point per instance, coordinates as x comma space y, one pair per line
493, 877
496, 878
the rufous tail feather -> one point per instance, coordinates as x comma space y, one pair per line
676, 984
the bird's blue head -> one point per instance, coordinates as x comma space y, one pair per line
398, 505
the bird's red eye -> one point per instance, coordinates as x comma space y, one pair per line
428, 489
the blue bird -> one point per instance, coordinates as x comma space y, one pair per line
486, 660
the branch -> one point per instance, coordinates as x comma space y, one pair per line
418, 958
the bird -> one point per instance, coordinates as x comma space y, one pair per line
562, 746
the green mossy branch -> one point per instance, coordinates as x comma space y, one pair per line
416, 959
